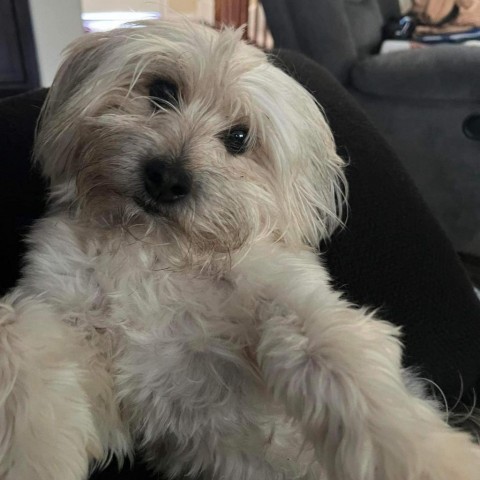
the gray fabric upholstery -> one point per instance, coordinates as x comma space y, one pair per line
443, 73
417, 98
324, 35
427, 135
333, 32
389, 8
365, 19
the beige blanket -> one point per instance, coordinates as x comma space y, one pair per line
433, 14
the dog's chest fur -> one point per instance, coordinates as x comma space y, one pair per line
186, 344
179, 342
128, 284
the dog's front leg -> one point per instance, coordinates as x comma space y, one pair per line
338, 372
56, 413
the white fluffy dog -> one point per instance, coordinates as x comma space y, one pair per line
172, 299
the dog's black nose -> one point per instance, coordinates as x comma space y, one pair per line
166, 183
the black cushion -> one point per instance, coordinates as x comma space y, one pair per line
22, 191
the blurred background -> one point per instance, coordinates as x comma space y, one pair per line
413, 66
35, 32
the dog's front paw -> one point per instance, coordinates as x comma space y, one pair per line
452, 457
447, 455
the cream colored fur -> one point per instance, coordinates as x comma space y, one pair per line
206, 334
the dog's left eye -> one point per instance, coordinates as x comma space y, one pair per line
236, 140
163, 93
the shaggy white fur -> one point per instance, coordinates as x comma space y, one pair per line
184, 311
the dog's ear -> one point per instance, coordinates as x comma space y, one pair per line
302, 150
81, 59
319, 186
56, 136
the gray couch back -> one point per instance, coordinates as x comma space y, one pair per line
333, 32
366, 21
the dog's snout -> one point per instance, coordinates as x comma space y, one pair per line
166, 183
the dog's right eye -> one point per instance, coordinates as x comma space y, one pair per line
236, 140
163, 94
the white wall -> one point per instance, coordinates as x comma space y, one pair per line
201, 9
206, 11
55, 24
122, 5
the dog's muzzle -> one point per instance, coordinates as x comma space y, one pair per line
165, 182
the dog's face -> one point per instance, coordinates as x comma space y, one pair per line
190, 134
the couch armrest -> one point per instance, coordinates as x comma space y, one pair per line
443, 72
